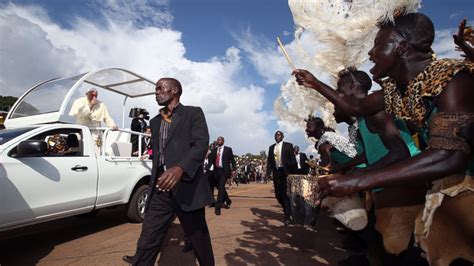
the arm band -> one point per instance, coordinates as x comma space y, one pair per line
444, 131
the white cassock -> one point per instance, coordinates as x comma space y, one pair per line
91, 118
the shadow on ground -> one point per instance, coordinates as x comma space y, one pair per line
39, 240
171, 252
268, 242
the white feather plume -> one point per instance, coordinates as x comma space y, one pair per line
344, 31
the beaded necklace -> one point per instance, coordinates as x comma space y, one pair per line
338, 142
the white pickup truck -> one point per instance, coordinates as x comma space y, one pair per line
39, 183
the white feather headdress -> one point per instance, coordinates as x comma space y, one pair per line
344, 31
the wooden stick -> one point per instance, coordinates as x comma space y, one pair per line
286, 54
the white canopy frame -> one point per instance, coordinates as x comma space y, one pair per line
116, 80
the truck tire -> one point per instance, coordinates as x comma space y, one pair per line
136, 206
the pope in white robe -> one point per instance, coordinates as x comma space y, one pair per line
89, 111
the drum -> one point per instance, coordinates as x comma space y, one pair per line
350, 211
302, 199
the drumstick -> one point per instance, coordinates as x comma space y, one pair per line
325, 168
286, 54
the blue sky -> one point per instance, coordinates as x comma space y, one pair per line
223, 50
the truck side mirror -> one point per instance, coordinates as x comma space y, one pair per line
32, 148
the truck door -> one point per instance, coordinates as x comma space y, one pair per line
58, 184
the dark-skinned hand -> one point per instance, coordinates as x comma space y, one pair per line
169, 178
337, 185
461, 41
356, 171
334, 169
305, 78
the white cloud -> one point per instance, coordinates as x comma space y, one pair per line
444, 46
28, 57
265, 56
142, 13
456, 15
272, 66
33, 49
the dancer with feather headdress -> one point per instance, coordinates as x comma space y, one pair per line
435, 97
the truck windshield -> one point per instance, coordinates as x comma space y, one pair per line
45, 98
9, 134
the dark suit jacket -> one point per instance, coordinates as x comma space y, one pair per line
304, 166
137, 127
228, 160
287, 158
186, 146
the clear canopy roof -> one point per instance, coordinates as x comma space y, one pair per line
122, 81
50, 101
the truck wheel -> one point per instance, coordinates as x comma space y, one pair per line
136, 206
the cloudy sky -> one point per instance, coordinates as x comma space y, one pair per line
223, 51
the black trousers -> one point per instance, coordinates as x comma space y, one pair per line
158, 217
220, 180
280, 185
212, 183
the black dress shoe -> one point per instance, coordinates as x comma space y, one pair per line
227, 205
187, 246
292, 220
289, 221
128, 259
218, 211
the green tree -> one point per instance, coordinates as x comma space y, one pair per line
6, 102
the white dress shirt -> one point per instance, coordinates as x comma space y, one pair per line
220, 151
277, 148
298, 160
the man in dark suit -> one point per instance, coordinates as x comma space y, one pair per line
223, 160
138, 125
281, 162
177, 187
301, 166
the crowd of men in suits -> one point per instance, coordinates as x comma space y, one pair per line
221, 168
283, 159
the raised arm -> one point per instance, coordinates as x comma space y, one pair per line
462, 39
431, 164
349, 104
79, 109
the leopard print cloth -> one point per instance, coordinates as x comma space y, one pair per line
429, 83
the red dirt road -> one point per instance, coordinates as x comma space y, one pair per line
251, 232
